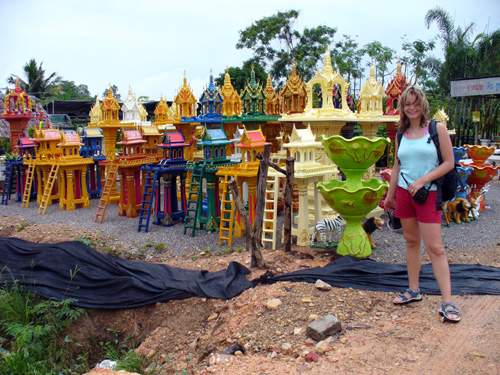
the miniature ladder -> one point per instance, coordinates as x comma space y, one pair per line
29, 182
147, 200
106, 193
269, 225
9, 179
194, 200
44, 203
226, 214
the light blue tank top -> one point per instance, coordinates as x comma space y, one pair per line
417, 157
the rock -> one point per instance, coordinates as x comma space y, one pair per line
320, 329
232, 349
312, 357
238, 353
107, 363
286, 347
298, 330
272, 355
219, 358
212, 317
106, 371
273, 303
313, 317
307, 299
324, 345
321, 285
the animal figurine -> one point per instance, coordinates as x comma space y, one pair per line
370, 225
456, 210
475, 202
331, 228
328, 229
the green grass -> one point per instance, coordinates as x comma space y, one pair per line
30, 332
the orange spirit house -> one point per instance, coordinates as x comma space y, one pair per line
129, 167
17, 112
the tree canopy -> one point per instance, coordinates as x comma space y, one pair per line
36, 82
240, 76
277, 44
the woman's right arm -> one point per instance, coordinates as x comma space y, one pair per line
391, 193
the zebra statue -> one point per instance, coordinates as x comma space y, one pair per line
328, 229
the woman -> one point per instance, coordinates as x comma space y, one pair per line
416, 166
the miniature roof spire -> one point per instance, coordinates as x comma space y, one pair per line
133, 110
394, 89
441, 116
327, 62
161, 111
253, 96
231, 104
252, 77
371, 96
211, 100
272, 99
96, 112
185, 100
294, 93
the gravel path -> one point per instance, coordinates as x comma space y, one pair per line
480, 234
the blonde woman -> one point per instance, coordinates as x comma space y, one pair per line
415, 167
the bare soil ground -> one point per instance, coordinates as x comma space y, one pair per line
189, 336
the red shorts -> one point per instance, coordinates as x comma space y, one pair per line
406, 207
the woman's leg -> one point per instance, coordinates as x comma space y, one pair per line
431, 234
411, 234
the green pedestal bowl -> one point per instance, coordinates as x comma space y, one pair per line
354, 156
353, 203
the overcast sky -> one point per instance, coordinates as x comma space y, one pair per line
149, 44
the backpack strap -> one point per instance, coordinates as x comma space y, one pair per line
433, 134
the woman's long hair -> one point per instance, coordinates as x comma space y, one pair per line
420, 99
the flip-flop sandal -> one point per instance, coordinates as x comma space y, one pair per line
449, 313
414, 296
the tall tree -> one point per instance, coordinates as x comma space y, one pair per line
36, 81
459, 51
420, 67
347, 57
68, 90
276, 44
240, 76
381, 56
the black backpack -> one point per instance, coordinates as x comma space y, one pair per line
448, 183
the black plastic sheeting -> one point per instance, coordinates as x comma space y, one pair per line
95, 280
371, 275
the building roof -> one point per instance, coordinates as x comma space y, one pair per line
70, 138
213, 136
173, 138
25, 142
47, 135
150, 131
302, 138
92, 133
131, 137
252, 139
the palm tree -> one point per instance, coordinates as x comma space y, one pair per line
36, 83
464, 57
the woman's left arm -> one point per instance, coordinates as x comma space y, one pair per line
448, 163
